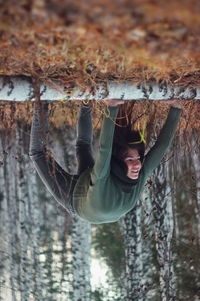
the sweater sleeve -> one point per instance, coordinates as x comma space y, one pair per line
157, 152
102, 165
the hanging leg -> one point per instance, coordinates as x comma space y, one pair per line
56, 179
39, 129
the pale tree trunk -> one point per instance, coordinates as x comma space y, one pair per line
61, 142
35, 216
81, 247
184, 197
23, 200
175, 172
22, 89
6, 281
132, 233
79, 242
4, 226
149, 268
49, 257
80, 286
196, 166
66, 271
13, 235
49, 271
164, 227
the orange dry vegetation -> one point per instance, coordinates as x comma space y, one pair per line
151, 113
92, 40
98, 40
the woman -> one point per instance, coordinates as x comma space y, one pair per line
107, 188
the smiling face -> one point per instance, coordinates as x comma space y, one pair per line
133, 163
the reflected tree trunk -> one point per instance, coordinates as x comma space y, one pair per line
186, 214
81, 247
66, 279
64, 142
12, 234
35, 216
132, 232
23, 203
164, 227
50, 275
174, 173
4, 226
196, 166
149, 268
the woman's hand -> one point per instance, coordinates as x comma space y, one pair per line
114, 102
173, 103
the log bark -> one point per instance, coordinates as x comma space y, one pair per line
164, 227
131, 227
12, 231
23, 203
196, 166
81, 247
22, 89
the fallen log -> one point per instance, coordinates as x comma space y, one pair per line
21, 88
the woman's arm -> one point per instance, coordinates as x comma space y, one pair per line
157, 152
102, 165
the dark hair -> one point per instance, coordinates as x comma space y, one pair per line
119, 169
125, 138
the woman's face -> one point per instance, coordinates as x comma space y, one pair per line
133, 163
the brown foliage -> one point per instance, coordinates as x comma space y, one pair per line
92, 41
151, 113
96, 40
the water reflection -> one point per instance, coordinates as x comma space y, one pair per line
47, 255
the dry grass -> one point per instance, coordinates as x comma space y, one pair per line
62, 114
151, 112
96, 40
92, 41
